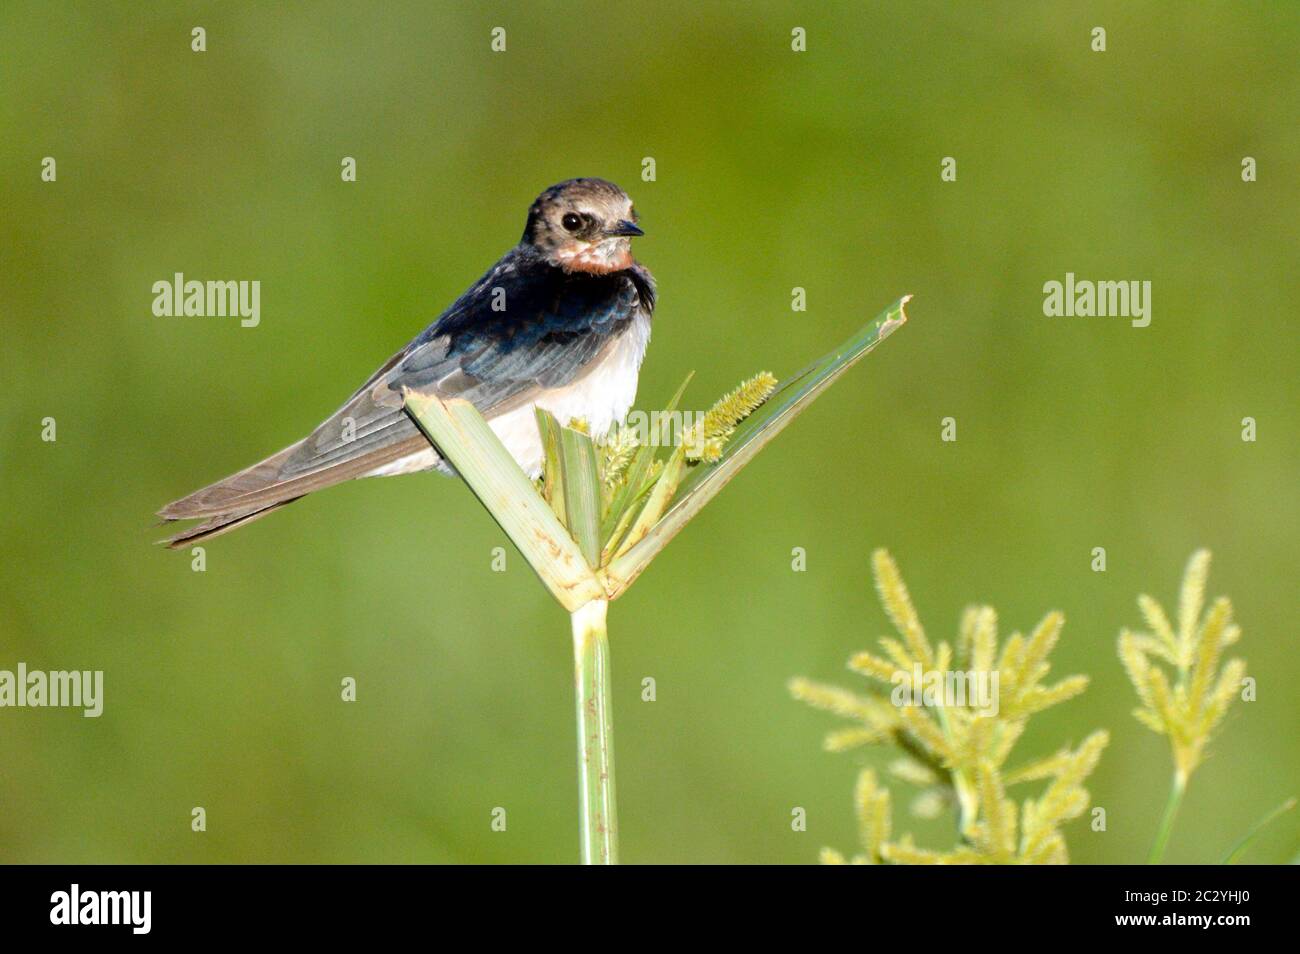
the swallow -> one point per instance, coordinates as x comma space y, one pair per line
561, 322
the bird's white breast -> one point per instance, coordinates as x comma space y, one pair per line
602, 397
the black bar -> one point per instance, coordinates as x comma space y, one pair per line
333, 904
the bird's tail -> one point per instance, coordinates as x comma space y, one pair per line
269, 485
221, 506
222, 523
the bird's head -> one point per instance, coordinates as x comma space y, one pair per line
583, 225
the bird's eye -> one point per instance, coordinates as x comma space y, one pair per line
571, 221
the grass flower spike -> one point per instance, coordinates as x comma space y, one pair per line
955, 712
1183, 690
705, 441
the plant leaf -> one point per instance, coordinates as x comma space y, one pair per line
548, 429
1248, 839
581, 492
629, 512
658, 500
704, 482
636, 474
469, 444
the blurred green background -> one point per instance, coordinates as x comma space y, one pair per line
775, 169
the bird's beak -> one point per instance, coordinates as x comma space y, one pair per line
624, 228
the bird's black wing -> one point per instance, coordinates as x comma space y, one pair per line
522, 328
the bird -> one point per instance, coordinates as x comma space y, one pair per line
561, 322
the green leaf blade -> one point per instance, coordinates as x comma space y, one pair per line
548, 430
469, 444
633, 484
703, 483
581, 492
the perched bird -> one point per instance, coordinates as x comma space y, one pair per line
560, 322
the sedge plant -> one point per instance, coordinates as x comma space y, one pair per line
602, 511
955, 751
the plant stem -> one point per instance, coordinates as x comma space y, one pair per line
967, 799
599, 818
1176, 793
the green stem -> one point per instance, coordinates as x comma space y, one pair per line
967, 798
1176, 793
599, 818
